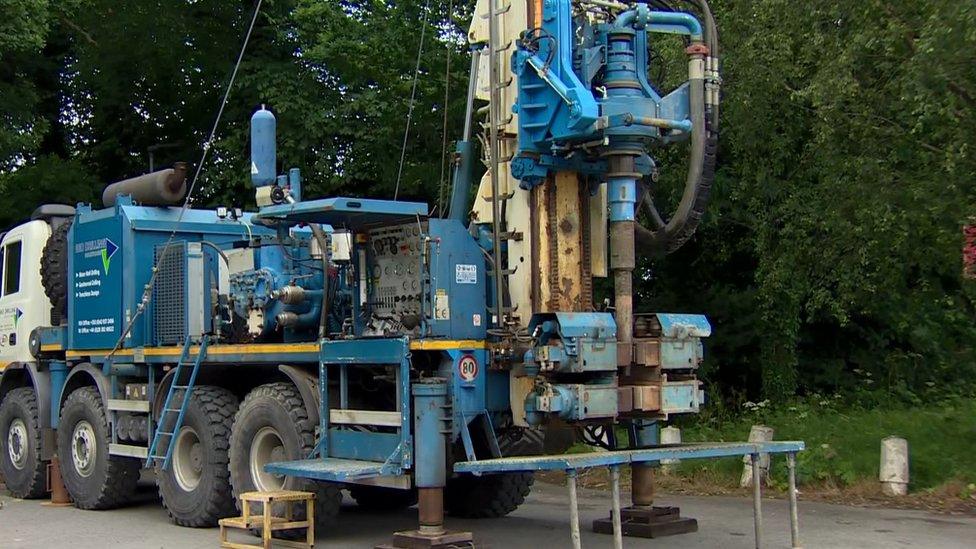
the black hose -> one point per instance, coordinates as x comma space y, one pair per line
701, 173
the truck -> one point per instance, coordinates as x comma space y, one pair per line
360, 344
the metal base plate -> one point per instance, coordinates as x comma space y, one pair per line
654, 522
414, 539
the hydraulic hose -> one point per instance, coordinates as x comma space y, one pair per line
704, 146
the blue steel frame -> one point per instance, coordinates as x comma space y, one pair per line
570, 462
394, 451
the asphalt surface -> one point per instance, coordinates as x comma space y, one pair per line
540, 524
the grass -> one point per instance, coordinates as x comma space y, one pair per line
843, 444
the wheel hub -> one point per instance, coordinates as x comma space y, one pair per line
188, 456
17, 443
266, 447
83, 448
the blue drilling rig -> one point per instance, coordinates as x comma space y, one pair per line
352, 343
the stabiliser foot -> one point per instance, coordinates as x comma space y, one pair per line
648, 522
419, 539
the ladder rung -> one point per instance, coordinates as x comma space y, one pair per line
500, 198
124, 405
171, 410
164, 433
500, 126
500, 11
510, 235
181, 386
128, 450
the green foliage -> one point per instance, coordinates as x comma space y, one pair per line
831, 246
845, 176
843, 441
23, 30
49, 180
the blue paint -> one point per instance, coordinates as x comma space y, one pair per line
59, 374
622, 196
263, 148
430, 418
568, 462
351, 213
295, 183
589, 83
684, 325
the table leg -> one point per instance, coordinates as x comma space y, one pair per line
757, 498
794, 512
574, 526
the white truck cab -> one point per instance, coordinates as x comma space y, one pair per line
23, 303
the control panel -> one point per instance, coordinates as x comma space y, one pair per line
396, 267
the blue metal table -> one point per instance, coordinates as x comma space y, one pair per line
571, 463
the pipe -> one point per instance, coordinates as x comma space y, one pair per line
574, 527
757, 499
618, 536
319, 235
288, 319
794, 513
664, 123
162, 188
464, 168
218, 250
640, 17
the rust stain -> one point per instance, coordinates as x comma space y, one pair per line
567, 226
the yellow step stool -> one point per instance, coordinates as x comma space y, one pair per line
269, 524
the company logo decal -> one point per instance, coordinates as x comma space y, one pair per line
107, 252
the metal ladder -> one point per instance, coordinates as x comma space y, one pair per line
168, 411
496, 124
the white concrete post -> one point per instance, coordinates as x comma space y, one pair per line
894, 466
670, 435
758, 433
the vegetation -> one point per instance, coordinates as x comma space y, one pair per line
843, 441
830, 254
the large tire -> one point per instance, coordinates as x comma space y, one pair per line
487, 496
94, 479
54, 268
379, 498
273, 425
21, 466
195, 488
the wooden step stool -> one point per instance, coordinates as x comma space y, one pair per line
268, 523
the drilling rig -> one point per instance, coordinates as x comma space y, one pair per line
363, 344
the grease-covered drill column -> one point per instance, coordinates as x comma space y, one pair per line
621, 83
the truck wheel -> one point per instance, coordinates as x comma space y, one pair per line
54, 268
379, 498
195, 488
487, 496
20, 445
94, 479
272, 425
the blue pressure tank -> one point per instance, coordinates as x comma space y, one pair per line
263, 148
